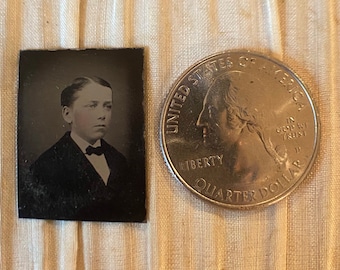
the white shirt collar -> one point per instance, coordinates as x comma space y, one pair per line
82, 143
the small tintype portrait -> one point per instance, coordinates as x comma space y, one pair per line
232, 119
80, 135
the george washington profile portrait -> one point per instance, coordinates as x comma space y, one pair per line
230, 120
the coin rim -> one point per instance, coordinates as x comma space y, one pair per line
274, 199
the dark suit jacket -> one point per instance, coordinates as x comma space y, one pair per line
63, 184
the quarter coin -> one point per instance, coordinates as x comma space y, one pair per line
239, 129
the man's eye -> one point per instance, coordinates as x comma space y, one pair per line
92, 105
108, 107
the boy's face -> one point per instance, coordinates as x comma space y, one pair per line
90, 113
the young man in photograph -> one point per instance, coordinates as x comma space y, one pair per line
81, 177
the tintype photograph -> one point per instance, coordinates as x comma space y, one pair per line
80, 136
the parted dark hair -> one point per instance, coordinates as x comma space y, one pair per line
68, 94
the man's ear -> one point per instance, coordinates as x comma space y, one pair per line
67, 114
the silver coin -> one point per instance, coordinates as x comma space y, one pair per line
239, 129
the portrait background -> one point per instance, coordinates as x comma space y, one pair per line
182, 231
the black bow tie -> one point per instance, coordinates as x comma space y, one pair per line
95, 150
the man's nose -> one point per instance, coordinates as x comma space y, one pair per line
202, 120
102, 113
